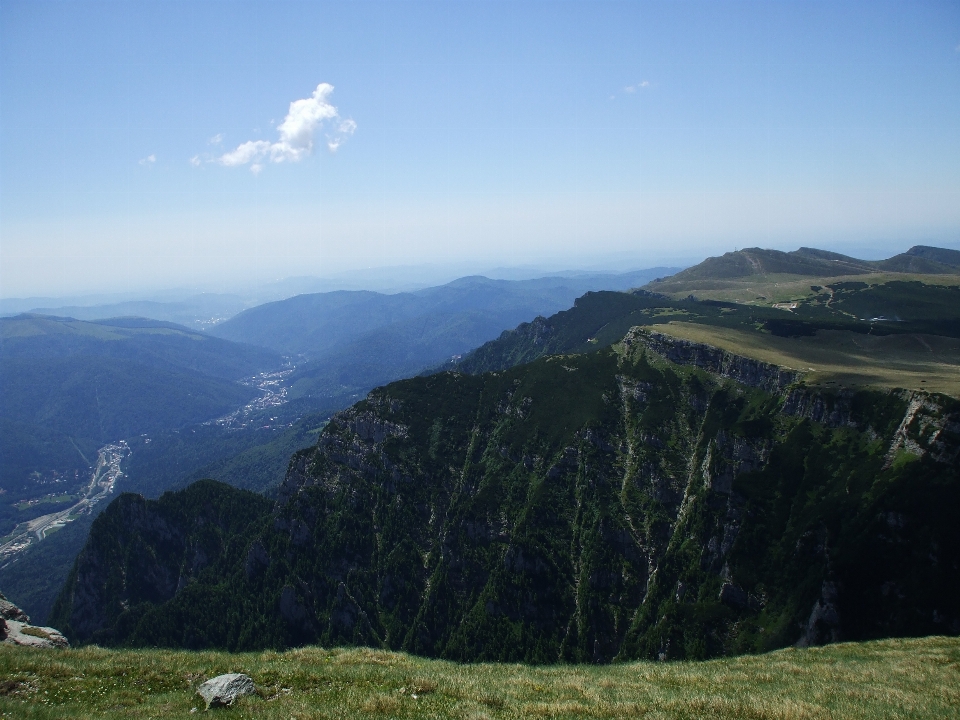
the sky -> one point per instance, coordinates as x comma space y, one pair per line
146, 145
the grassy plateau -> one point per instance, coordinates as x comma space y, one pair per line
914, 361
770, 288
914, 678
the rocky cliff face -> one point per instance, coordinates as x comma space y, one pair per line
721, 363
655, 499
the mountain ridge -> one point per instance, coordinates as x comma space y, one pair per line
812, 261
626, 503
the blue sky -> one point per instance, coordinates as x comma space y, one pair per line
483, 134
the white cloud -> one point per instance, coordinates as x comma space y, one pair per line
304, 118
630, 89
344, 130
216, 139
195, 161
248, 152
148, 160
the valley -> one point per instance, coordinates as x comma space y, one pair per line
273, 394
62, 377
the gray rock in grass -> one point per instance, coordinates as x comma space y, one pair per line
224, 689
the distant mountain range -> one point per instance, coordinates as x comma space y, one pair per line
313, 324
754, 263
201, 310
346, 343
197, 312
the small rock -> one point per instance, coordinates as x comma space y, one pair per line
224, 689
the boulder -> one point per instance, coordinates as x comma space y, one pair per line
18, 633
224, 689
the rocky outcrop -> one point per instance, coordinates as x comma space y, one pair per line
927, 427
831, 409
15, 629
824, 625
9, 611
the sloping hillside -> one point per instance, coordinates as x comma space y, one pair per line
840, 326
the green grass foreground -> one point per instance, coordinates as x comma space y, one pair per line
916, 678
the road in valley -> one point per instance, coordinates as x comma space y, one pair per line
103, 480
105, 475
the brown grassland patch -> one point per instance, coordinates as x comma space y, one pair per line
911, 361
769, 288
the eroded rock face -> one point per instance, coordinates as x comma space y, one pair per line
747, 371
824, 625
224, 690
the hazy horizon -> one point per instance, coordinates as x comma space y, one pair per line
406, 278
149, 146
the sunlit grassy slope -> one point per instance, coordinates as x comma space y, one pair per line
917, 678
771, 288
914, 361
